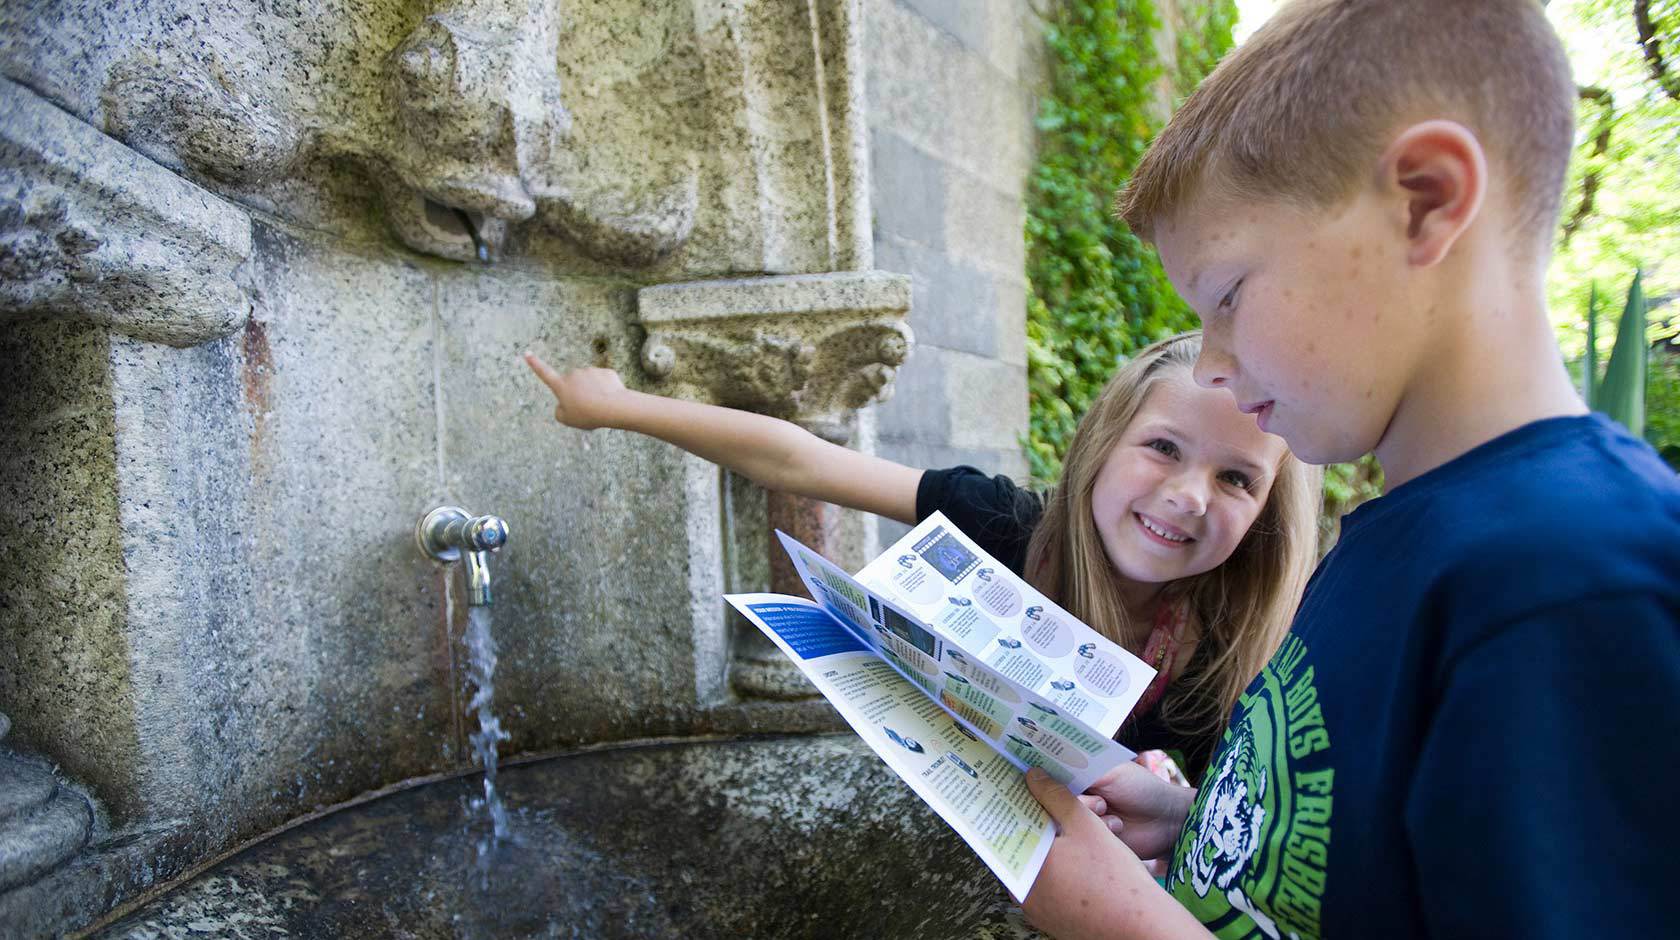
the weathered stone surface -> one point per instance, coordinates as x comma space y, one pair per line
990, 399
974, 214
608, 596
776, 838
692, 139
40, 825
24, 788
955, 306
89, 228
80, 889
911, 197
33, 844
267, 640
65, 673
928, 414
276, 632
945, 99
814, 295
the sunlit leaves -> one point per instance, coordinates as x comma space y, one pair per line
1096, 292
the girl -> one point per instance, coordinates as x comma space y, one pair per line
1179, 530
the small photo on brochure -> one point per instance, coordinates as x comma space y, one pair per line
908, 630
947, 554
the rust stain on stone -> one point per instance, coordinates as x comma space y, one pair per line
259, 366
812, 522
257, 374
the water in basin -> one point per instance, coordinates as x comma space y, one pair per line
783, 837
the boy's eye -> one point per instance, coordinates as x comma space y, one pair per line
1164, 446
1237, 479
1230, 298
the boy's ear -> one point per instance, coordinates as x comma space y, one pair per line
1438, 172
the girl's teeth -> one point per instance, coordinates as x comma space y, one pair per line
1161, 532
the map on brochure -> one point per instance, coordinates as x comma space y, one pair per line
960, 676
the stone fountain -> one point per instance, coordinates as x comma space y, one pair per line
267, 268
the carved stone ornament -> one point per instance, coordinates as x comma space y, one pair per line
809, 348
461, 120
718, 135
90, 228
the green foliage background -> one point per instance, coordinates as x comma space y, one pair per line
1622, 206
1662, 407
1095, 292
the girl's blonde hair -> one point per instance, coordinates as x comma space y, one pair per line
1241, 609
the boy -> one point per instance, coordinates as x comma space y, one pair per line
1472, 727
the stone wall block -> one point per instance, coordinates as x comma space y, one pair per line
989, 402
1011, 319
920, 411
65, 673
952, 97
910, 197
976, 217
594, 580
954, 304
945, 99
992, 29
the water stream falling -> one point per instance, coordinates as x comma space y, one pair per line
481, 670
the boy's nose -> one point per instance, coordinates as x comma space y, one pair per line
1213, 369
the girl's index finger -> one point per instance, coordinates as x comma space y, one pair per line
549, 377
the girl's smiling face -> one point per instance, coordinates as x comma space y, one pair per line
1187, 478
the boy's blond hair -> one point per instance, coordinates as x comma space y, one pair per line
1300, 111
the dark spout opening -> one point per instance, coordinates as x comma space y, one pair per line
479, 248
447, 216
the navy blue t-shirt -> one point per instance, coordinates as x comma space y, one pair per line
1473, 726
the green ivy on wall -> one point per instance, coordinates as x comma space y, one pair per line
1095, 292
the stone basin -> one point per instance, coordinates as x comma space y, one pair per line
766, 837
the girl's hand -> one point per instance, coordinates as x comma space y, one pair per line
585, 398
1145, 811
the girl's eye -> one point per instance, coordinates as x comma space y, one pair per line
1164, 446
1237, 479
1230, 298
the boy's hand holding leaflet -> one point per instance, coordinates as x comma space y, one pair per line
960, 676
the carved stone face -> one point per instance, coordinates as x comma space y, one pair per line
478, 117
457, 119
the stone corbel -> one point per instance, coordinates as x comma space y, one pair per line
809, 348
89, 228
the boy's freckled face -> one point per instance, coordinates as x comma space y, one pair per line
1303, 313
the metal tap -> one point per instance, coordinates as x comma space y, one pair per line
447, 534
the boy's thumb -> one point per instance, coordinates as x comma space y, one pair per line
1061, 804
